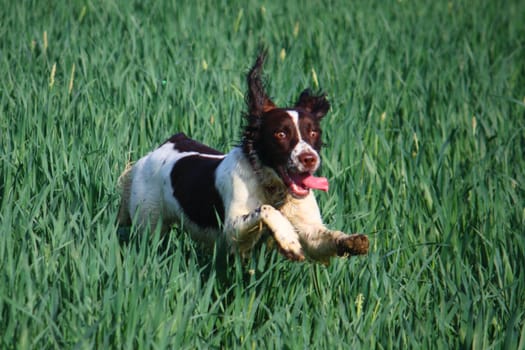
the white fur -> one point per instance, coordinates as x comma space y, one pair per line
246, 205
295, 117
301, 147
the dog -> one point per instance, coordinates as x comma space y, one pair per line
265, 184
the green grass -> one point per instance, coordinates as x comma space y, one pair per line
425, 153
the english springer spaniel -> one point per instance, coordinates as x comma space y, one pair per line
263, 185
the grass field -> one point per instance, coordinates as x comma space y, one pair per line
425, 152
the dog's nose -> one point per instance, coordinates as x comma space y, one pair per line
308, 160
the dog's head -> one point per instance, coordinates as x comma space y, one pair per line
288, 140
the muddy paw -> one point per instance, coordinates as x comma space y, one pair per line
291, 250
356, 244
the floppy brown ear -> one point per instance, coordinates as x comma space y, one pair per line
257, 100
318, 105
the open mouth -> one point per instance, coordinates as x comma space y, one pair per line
299, 184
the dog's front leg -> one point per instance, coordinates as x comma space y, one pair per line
244, 231
319, 242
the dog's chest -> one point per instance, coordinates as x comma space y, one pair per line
271, 191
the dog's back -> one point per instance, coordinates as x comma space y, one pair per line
176, 181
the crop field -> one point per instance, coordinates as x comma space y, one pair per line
425, 153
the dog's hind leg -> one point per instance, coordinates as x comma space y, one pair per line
143, 210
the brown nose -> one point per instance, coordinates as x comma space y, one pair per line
308, 160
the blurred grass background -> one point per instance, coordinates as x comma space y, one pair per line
425, 149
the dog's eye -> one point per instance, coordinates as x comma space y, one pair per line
314, 134
280, 135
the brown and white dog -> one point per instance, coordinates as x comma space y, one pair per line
264, 184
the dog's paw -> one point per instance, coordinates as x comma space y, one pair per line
290, 249
356, 244
292, 255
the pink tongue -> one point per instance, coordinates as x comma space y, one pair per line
316, 183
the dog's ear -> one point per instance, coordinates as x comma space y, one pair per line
257, 100
318, 105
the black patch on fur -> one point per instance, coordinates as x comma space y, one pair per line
182, 143
310, 129
193, 181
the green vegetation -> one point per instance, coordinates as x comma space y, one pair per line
425, 152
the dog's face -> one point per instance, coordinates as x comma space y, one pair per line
288, 140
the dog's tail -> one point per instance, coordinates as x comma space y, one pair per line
124, 183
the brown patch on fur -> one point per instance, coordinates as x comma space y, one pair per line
256, 98
356, 244
183, 143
